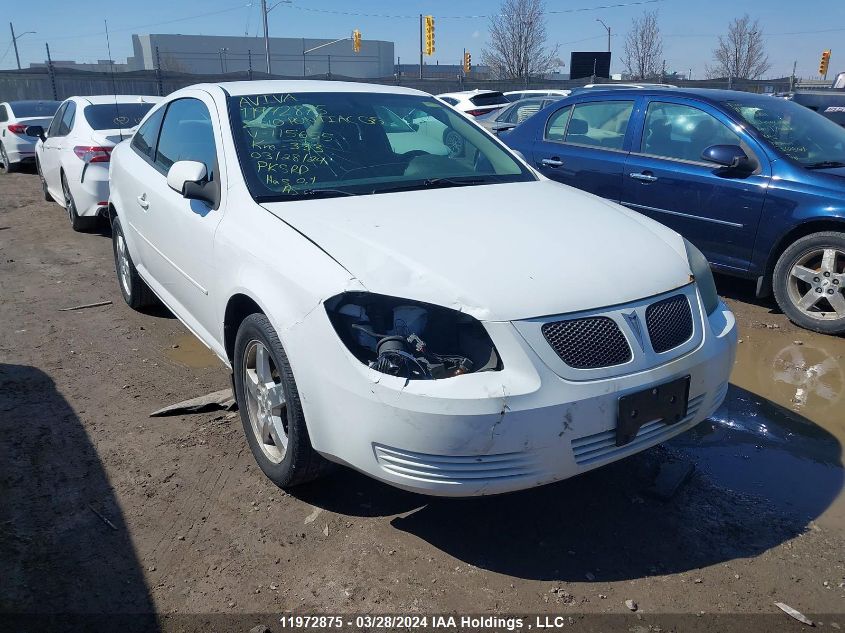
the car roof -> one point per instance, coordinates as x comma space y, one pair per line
467, 93
706, 94
270, 86
106, 99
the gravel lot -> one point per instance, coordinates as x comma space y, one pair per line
106, 510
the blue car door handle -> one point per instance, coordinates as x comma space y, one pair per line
552, 162
643, 177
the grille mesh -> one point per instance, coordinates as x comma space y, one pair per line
588, 343
669, 323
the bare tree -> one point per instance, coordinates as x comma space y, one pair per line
518, 46
741, 54
644, 47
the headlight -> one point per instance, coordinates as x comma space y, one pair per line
703, 277
410, 339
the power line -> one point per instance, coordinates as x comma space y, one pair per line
632, 3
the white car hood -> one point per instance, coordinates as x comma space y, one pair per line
499, 252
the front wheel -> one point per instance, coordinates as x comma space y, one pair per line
271, 411
809, 280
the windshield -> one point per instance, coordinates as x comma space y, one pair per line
24, 109
798, 132
113, 116
294, 145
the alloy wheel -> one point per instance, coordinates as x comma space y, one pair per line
123, 265
69, 205
816, 283
265, 400
4, 159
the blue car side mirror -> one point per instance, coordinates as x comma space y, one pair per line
731, 156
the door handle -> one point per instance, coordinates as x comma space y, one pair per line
552, 162
644, 177
143, 202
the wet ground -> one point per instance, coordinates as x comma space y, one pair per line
107, 510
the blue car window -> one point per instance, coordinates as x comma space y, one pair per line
682, 132
556, 127
600, 124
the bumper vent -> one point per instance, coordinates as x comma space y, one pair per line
601, 447
669, 323
588, 343
454, 469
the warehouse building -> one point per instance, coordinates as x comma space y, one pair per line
213, 54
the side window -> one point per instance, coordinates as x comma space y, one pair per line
556, 127
66, 124
144, 141
187, 134
4, 116
53, 130
682, 132
600, 124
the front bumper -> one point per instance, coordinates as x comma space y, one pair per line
491, 432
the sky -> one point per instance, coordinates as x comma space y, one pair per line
795, 32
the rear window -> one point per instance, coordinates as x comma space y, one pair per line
488, 99
112, 116
24, 109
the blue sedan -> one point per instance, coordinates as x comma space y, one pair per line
757, 183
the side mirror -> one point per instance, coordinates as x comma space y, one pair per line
190, 178
730, 156
35, 130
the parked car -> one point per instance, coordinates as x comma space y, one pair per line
518, 95
386, 309
16, 148
511, 116
757, 183
73, 154
829, 103
475, 102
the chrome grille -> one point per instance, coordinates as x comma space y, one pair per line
588, 343
669, 323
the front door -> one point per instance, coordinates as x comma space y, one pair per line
715, 208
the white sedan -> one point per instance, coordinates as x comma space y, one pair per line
475, 102
73, 155
16, 146
453, 325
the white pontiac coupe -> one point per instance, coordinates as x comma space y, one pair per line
449, 324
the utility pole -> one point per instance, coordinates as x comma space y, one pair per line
249, 64
15, 42
52, 73
266, 36
792, 77
421, 45
608, 32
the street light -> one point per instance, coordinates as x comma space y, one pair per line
264, 12
608, 32
15, 42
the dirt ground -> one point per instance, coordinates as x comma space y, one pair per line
106, 510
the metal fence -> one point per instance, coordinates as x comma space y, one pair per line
60, 83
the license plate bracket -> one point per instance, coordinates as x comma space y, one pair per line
666, 402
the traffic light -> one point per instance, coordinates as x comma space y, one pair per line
467, 62
356, 41
429, 35
824, 63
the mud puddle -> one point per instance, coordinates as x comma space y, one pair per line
190, 352
780, 432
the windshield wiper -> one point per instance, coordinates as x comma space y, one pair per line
825, 164
323, 193
434, 183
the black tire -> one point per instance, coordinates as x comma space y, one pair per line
6, 166
44, 190
299, 463
807, 253
77, 223
136, 293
